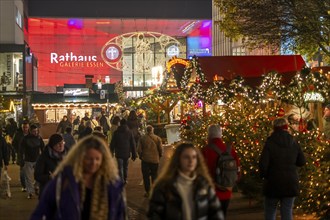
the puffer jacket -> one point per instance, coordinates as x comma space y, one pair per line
31, 148
123, 144
166, 203
278, 165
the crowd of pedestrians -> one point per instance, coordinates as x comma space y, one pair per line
81, 173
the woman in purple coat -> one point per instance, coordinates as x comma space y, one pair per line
86, 186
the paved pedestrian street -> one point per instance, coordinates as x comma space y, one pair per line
18, 207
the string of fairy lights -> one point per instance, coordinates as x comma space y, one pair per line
246, 116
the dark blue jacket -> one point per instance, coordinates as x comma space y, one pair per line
123, 144
67, 206
278, 165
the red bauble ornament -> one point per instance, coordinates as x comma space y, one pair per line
311, 87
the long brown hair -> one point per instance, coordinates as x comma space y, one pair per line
170, 171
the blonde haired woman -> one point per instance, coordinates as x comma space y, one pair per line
86, 185
184, 190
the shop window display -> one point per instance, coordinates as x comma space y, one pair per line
11, 71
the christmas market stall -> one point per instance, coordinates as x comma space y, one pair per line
244, 95
73, 102
249, 102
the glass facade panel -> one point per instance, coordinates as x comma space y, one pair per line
143, 54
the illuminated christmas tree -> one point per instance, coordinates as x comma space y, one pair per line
192, 74
315, 175
217, 91
248, 123
271, 87
318, 83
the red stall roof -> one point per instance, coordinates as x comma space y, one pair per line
249, 66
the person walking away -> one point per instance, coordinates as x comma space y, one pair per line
86, 186
81, 127
150, 151
4, 158
134, 125
87, 131
48, 160
75, 124
123, 147
68, 138
17, 142
86, 117
211, 157
32, 145
11, 129
104, 123
114, 125
326, 122
64, 123
184, 189
278, 164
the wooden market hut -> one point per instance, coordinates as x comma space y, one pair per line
50, 107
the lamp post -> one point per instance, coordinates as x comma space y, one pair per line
107, 82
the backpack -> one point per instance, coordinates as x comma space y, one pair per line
226, 168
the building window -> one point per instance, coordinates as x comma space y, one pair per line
11, 71
19, 18
239, 51
142, 52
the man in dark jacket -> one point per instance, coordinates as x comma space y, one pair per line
123, 147
17, 141
64, 123
31, 147
11, 129
68, 138
278, 166
4, 159
48, 160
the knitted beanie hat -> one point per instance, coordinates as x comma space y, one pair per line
54, 139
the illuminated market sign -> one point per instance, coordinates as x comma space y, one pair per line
174, 61
313, 97
76, 92
73, 60
173, 51
199, 51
